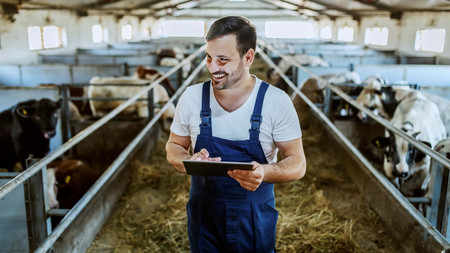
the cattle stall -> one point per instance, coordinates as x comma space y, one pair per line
351, 130
388, 201
80, 223
140, 229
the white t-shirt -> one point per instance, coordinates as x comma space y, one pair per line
279, 118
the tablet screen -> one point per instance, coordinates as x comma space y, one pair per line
212, 168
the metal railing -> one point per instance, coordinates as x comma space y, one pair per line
422, 147
439, 235
113, 168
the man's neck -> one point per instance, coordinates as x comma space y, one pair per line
233, 98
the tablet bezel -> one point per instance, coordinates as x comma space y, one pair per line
214, 168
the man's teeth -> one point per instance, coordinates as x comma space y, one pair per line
219, 76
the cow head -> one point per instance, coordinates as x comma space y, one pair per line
52, 188
400, 156
380, 100
43, 114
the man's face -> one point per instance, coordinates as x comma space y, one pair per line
223, 62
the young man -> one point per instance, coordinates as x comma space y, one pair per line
235, 117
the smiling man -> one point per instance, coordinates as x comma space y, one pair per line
235, 117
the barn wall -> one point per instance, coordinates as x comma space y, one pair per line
14, 48
14, 35
412, 21
383, 21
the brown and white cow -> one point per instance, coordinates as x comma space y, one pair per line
67, 181
314, 89
151, 74
405, 165
285, 65
139, 108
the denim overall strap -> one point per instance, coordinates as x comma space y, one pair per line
256, 118
205, 113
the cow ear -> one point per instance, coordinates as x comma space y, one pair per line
419, 155
58, 103
380, 142
415, 136
25, 111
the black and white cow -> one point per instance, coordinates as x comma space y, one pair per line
380, 98
383, 100
405, 165
25, 130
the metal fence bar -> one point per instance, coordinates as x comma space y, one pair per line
422, 147
112, 169
382, 179
11, 185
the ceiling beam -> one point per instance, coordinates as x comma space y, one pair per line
336, 7
148, 4
100, 3
302, 6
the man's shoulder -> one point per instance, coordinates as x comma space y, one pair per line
195, 88
273, 92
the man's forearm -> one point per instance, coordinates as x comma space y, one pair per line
176, 154
290, 168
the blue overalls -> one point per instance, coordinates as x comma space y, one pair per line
223, 216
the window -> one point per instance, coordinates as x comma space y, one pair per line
345, 34
325, 33
430, 40
376, 36
99, 34
182, 28
127, 32
289, 29
46, 37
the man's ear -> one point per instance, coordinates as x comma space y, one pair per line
249, 57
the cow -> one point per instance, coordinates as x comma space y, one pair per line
380, 98
151, 74
314, 89
285, 65
405, 165
67, 181
383, 100
25, 131
139, 108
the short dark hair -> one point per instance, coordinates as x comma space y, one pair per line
240, 26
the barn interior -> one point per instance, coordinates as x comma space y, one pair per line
53, 49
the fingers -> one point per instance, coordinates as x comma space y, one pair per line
203, 155
250, 180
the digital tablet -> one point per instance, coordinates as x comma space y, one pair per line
212, 168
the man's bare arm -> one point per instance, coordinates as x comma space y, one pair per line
291, 167
177, 150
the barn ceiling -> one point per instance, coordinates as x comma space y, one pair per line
217, 8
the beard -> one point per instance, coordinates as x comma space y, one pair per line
229, 80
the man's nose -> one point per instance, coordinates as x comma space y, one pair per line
212, 67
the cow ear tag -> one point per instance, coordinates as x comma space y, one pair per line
24, 111
378, 143
67, 179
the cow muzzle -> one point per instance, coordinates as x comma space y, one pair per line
49, 134
403, 174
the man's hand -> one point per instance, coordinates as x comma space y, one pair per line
249, 179
203, 155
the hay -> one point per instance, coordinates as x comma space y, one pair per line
323, 212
